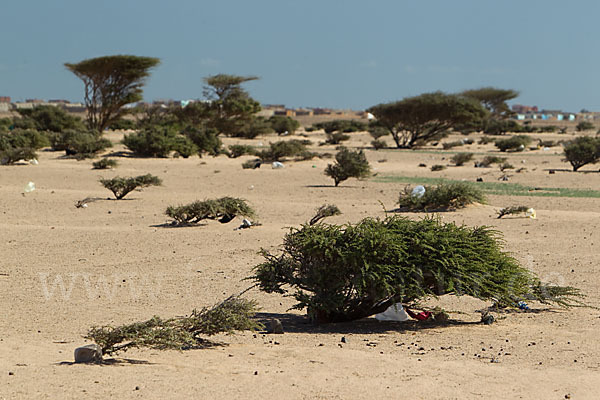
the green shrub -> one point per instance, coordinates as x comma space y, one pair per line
547, 128
377, 131
582, 151
378, 144
487, 139
49, 118
281, 124
336, 138
514, 143
23, 138
122, 186
179, 333
513, 210
6, 124
506, 165
584, 126
499, 127
251, 164
80, 144
348, 164
11, 155
205, 139
122, 124
105, 163
254, 127
445, 196
489, 160
238, 150
449, 145
344, 273
224, 209
151, 142
437, 167
341, 125
460, 159
283, 149
326, 210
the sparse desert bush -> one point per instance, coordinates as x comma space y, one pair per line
121, 186
336, 138
489, 160
514, 143
179, 333
252, 128
582, 151
326, 210
79, 143
546, 143
23, 138
437, 167
513, 210
445, 196
449, 145
487, 139
251, 164
11, 155
282, 124
378, 144
547, 129
205, 139
122, 124
105, 163
348, 164
506, 165
341, 125
48, 118
460, 159
500, 127
584, 126
157, 141
224, 209
238, 150
347, 272
283, 149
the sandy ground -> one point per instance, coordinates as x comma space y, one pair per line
64, 269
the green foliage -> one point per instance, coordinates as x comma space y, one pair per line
336, 138
111, 82
251, 164
326, 210
253, 127
11, 155
547, 128
6, 124
377, 131
224, 209
449, 145
437, 167
238, 150
582, 151
179, 333
80, 144
105, 163
206, 139
445, 196
378, 144
489, 160
493, 99
121, 186
348, 164
514, 143
122, 124
282, 124
460, 159
426, 117
49, 118
341, 125
513, 210
500, 127
23, 138
347, 272
487, 139
584, 126
506, 165
159, 142
284, 149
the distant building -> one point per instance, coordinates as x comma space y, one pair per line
521, 109
4, 99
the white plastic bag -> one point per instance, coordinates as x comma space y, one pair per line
418, 191
277, 165
395, 312
30, 187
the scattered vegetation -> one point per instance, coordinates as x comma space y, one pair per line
285, 149
179, 333
105, 163
513, 210
12, 155
584, 126
79, 144
437, 167
347, 272
460, 159
224, 209
489, 160
281, 124
582, 151
159, 142
326, 210
348, 164
341, 125
445, 196
49, 118
121, 186
506, 165
514, 143
378, 144
20, 144
336, 138
238, 150
449, 145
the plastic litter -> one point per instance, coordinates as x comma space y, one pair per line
418, 191
30, 187
34, 161
277, 165
523, 306
530, 213
395, 312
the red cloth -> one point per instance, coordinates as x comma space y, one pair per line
422, 316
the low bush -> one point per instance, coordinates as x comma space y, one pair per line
105, 163
251, 164
582, 151
23, 138
378, 144
238, 150
336, 138
489, 160
449, 145
460, 159
254, 127
437, 167
326, 210
12, 155
282, 124
547, 129
445, 196
49, 118
341, 125
487, 139
347, 272
179, 333
513, 210
224, 209
348, 164
78, 143
506, 165
514, 143
121, 186
122, 124
283, 149
153, 141
205, 139
584, 126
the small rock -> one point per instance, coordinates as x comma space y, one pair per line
11, 373
344, 339
88, 353
479, 179
276, 326
137, 388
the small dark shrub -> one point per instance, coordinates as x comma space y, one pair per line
487, 139
105, 163
489, 160
336, 138
506, 165
23, 138
282, 149
546, 143
80, 144
254, 127
205, 139
547, 128
348, 164
326, 210
341, 125
514, 143
582, 151
513, 210
437, 167
445, 196
122, 124
347, 272
122, 186
584, 126
224, 209
11, 155
460, 159
151, 141
449, 145
282, 124
238, 150
251, 164
378, 144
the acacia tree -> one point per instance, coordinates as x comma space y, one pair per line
494, 100
426, 117
232, 107
111, 82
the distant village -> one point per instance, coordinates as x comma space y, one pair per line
520, 112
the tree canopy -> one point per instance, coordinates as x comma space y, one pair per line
111, 82
426, 117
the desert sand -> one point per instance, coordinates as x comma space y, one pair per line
118, 263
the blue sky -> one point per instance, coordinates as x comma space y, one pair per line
328, 53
